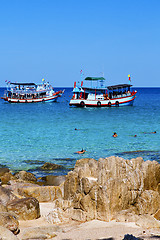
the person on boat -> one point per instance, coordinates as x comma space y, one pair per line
104, 95
115, 135
81, 152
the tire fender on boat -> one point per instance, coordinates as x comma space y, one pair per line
98, 104
82, 104
109, 104
117, 103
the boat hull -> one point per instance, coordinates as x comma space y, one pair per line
34, 100
114, 102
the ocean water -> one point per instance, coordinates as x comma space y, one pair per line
32, 134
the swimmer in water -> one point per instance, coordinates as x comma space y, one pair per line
81, 152
115, 135
150, 132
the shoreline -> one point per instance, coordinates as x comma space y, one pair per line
35, 166
60, 170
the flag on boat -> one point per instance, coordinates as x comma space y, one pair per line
81, 71
129, 76
43, 79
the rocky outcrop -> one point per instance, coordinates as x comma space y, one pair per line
3, 208
51, 166
43, 193
6, 196
26, 176
108, 189
5, 234
101, 189
13, 208
5, 175
25, 208
3, 171
148, 202
9, 221
53, 180
151, 175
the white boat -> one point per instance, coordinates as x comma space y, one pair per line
30, 93
98, 95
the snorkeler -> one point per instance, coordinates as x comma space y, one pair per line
81, 152
115, 135
150, 132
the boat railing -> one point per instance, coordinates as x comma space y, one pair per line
21, 91
91, 96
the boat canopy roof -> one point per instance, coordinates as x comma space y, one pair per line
23, 84
94, 78
118, 86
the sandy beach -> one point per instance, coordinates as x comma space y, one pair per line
74, 230
93, 230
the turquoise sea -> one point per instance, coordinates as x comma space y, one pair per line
32, 134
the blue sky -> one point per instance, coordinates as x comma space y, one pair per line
55, 39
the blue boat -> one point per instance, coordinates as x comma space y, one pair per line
99, 95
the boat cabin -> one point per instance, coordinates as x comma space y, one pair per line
28, 90
98, 91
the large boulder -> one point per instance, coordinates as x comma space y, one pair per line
86, 167
15, 185
157, 215
6, 196
71, 185
51, 166
100, 189
5, 234
3, 208
5, 179
26, 176
52, 180
148, 202
119, 185
151, 175
9, 221
3, 171
43, 193
25, 208
5, 175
